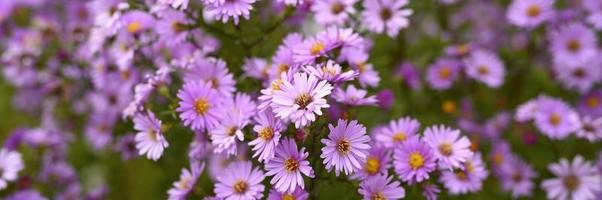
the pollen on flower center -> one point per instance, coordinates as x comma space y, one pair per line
231, 131
372, 165
445, 149
461, 175
303, 100
283, 67
276, 84
344, 146
399, 137
444, 73
214, 82
316, 48
573, 45
266, 133
152, 135
378, 196
134, 27
291, 165
416, 160
497, 159
288, 197
555, 119
593, 102
571, 182
468, 167
201, 106
483, 70
385, 14
337, 8
533, 11
178, 27
240, 187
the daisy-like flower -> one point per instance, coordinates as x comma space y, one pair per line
555, 118
225, 134
591, 129
298, 194
353, 96
378, 162
188, 179
346, 147
267, 94
240, 181
442, 74
574, 180
581, 77
149, 139
332, 12
331, 71
225, 9
590, 104
257, 68
367, 76
386, 16
268, 129
300, 100
572, 44
170, 27
213, 71
398, 131
485, 67
430, 191
530, 13
311, 49
452, 149
517, 177
287, 167
414, 160
469, 179
135, 22
10, 165
526, 111
199, 105
381, 187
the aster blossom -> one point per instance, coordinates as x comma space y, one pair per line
199, 105
485, 67
577, 179
240, 181
530, 13
268, 129
468, 179
346, 147
287, 167
386, 16
381, 187
188, 179
413, 160
452, 149
397, 131
149, 139
353, 96
10, 165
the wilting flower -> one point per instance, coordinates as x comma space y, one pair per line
442, 74
240, 181
268, 129
188, 179
149, 139
398, 131
300, 100
469, 179
10, 165
451, 149
199, 105
353, 96
388, 16
346, 147
381, 187
485, 67
287, 166
414, 160
530, 13
578, 179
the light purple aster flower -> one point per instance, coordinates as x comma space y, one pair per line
99, 129
298, 194
149, 139
530, 13
594, 13
240, 181
468, 180
332, 12
578, 179
377, 162
346, 147
397, 131
388, 16
135, 22
224, 10
499, 156
368, 77
171, 26
353, 96
228, 131
215, 72
300, 100
287, 167
430, 191
10, 165
451, 149
414, 160
485, 67
331, 71
442, 74
581, 77
591, 129
28, 194
381, 187
385, 98
283, 58
495, 126
555, 118
268, 129
257, 68
517, 177
572, 44
188, 179
199, 105
410, 75
312, 48
126, 145
591, 104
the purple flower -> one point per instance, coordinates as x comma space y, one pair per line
410, 75
430, 191
287, 167
149, 139
573, 44
398, 131
353, 96
301, 100
413, 160
224, 135
486, 67
298, 194
555, 118
469, 179
388, 16
240, 181
530, 13
311, 49
452, 149
332, 12
225, 9
212, 71
99, 129
188, 179
377, 162
368, 77
381, 187
595, 15
578, 179
126, 145
443, 73
136, 21
346, 147
199, 105
591, 129
385, 98
268, 129
257, 68
28, 194
170, 26
591, 104
331, 71
517, 177
581, 77
10, 165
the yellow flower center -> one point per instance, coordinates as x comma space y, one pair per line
266, 133
201, 106
400, 137
555, 119
573, 45
303, 100
461, 175
276, 84
483, 70
337, 8
316, 48
448, 106
533, 11
416, 160
344, 146
378, 196
593, 102
385, 14
444, 73
372, 165
134, 27
283, 68
571, 182
445, 149
240, 187
288, 197
291, 165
